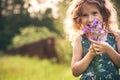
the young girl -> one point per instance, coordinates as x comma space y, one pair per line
95, 60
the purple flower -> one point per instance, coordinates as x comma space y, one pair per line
95, 28
85, 30
94, 38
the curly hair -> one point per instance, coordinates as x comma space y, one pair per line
72, 24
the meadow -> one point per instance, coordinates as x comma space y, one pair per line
25, 68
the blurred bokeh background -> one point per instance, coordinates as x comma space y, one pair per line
33, 45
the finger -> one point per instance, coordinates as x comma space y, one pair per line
99, 52
95, 42
92, 49
96, 45
97, 49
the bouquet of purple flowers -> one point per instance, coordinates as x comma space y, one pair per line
96, 30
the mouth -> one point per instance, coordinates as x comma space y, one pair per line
88, 24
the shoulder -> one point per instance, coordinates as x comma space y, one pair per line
115, 33
77, 38
118, 32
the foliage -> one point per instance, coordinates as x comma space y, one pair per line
24, 68
64, 50
13, 16
62, 6
31, 34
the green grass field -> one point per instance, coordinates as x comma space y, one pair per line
24, 68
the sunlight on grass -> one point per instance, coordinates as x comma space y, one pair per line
24, 68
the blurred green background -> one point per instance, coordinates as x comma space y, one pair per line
23, 22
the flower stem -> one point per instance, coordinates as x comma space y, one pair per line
96, 64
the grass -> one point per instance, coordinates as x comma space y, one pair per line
24, 68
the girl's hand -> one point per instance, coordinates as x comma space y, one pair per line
100, 46
92, 51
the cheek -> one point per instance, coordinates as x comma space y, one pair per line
99, 17
84, 21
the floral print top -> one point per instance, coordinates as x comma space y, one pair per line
101, 68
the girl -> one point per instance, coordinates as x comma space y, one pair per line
95, 60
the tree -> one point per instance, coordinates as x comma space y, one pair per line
14, 15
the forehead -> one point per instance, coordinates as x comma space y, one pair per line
89, 7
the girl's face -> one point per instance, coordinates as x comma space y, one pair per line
89, 13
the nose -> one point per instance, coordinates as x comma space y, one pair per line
90, 18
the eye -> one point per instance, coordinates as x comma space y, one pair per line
84, 15
95, 12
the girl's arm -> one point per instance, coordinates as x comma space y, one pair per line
118, 41
117, 36
101, 47
114, 55
79, 64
